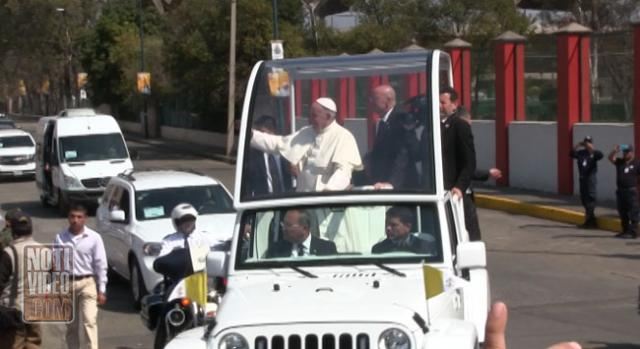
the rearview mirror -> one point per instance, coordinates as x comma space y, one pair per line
217, 263
117, 216
471, 255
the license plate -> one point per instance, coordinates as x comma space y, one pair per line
17, 173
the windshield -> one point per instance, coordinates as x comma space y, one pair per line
7, 124
93, 147
158, 203
15, 141
359, 124
335, 235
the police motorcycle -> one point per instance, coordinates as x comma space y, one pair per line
186, 298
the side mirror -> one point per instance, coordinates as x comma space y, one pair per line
117, 216
471, 255
217, 263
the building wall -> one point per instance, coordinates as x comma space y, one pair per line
532, 156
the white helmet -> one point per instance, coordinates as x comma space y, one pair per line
181, 211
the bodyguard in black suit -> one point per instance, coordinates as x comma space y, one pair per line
390, 161
458, 150
297, 240
268, 174
398, 225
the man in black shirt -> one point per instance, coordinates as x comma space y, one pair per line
627, 172
587, 158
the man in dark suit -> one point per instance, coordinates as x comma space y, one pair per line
398, 225
297, 240
458, 151
390, 162
268, 174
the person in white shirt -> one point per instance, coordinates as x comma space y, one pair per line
89, 276
324, 153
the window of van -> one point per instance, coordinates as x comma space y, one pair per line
92, 147
15, 141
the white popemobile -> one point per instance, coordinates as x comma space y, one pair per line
326, 269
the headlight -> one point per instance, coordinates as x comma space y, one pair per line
394, 338
233, 341
152, 248
72, 182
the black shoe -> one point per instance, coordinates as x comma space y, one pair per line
588, 225
626, 236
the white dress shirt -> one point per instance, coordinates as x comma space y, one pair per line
89, 256
307, 247
195, 239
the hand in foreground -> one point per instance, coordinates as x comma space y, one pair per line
497, 326
456, 192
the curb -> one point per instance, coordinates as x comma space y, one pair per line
541, 211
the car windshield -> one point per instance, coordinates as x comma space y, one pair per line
15, 141
92, 147
336, 235
158, 203
7, 124
362, 124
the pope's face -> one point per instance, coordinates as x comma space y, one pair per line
319, 118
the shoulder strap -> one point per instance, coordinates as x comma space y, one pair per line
14, 277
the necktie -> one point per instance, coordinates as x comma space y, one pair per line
276, 181
300, 250
382, 126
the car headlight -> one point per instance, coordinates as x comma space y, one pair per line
233, 341
394, 338
72, 182
152, 248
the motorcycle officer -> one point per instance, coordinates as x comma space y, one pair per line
184, 218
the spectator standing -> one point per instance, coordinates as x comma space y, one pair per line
627, 171
587, 158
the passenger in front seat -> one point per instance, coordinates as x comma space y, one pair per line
398, 225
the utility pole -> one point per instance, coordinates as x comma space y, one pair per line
274, 6
145, 119
232, 81
68, 95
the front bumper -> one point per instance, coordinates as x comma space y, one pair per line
83, 196
27, 169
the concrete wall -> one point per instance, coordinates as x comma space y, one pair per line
605, 137
533, 156
484, 136
129, 126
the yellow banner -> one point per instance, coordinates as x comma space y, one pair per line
433, 281
82, 79
196, 288
144, 83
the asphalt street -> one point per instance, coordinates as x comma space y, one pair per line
560, 283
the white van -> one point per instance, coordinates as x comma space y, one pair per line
76, 156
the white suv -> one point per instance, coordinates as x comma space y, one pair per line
134, 216
17, 152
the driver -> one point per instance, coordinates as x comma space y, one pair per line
184, 218
398, 223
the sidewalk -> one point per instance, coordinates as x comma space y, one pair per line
560, 208
555, 207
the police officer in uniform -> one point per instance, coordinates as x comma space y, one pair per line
627, 172
587, 158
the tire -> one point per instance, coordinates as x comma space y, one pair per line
63, 204
136, 283
161, 338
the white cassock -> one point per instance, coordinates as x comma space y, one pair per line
325, 159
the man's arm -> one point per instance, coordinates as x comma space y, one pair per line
341, 177
612, 155
466, 153
100, 269
597, 155
265, 142
6, 269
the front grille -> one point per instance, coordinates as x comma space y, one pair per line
95, 182
16, 160
312, 341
